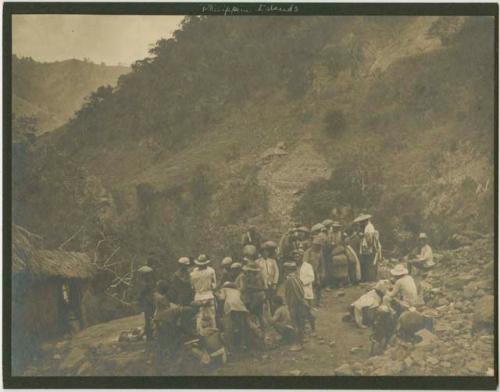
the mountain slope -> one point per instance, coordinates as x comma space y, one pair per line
375, 113
53, 92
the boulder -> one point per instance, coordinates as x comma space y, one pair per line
76, 357
344, 370
483, 313
427, 340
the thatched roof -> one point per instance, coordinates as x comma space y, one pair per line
62, 264
27, 257
24, 245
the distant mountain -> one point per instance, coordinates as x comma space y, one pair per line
53, 91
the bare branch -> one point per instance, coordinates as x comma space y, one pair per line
109, 258
70, 238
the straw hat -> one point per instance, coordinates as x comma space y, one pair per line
235, 265
269, 245
202, 260
145, 269
399, 270
422, 236
317, 227
336, 225
184, 260
327, 222
303, 229
230, 285
249, 250
227, 261
251, 266
362, 218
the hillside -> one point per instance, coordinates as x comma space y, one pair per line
388, 114
53, 91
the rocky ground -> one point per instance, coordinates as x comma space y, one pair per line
458, 295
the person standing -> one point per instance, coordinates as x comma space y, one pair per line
314, 257
235, 316
251, 237
252, 287
269, 269
146, 298
181, 291
226, 271
297, 306
204, 281
370, 251
340, 271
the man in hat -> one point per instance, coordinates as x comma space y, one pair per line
181, 291
304, 241
269, 267
236, 271
288, 244
296, 303
404, 292
249, 253
314, 256
225, 275
370, 251
251, 237
339, 273
253, 291
235, 316
425, 259
364, 307
204, 281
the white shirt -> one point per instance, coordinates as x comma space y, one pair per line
306, 276
426, 255
406, 289
269, 270
203, 281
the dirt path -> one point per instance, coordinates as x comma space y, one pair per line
320, 356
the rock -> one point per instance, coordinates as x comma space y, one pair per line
344, 370
357, 349
85, 369
446, 364
432, 360
483, 313
408, 362
475, 366
427, 341
74, 359
442, 301
469, 290
332, 343
56, 356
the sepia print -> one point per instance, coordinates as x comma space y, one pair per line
253, 195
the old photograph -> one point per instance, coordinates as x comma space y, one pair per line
252, 195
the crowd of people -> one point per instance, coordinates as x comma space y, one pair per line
277, 287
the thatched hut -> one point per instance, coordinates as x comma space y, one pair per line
47, 288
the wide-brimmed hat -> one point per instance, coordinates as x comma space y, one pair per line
227, 261
399, 270
303, 229
202, 260
235, 265
251, 266
145, 269
362, 218
337, 225
317, 227
249, 250
290, 264
184, 260
328, 222
422, 236
269, 245
382, 285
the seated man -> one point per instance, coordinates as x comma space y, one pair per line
425, 259
281, 321
404, 293
363, 309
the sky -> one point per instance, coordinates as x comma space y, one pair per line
112, 39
